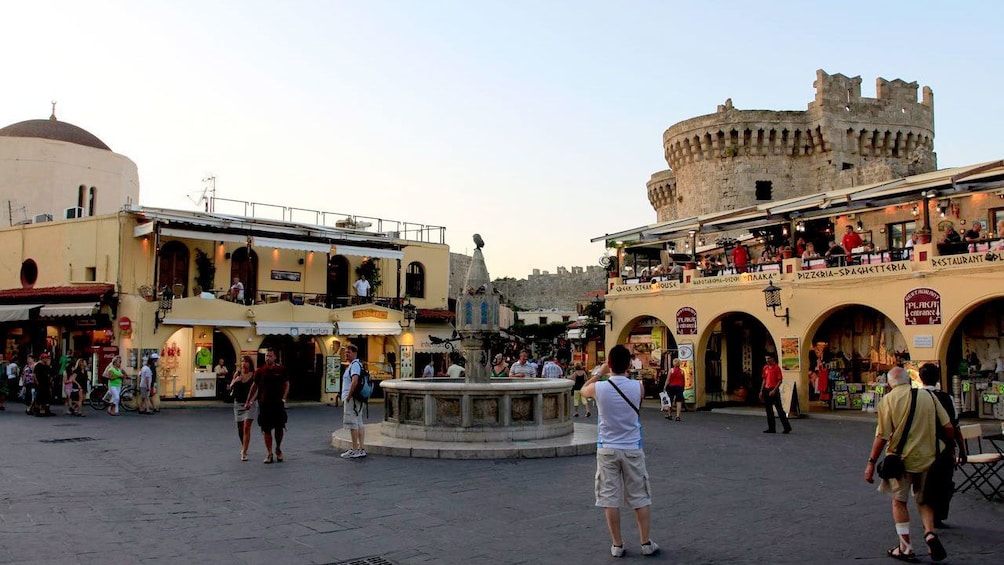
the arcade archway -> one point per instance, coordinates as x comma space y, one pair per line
734, 359
652, 343
974, 357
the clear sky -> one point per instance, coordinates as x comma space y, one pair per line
533, 122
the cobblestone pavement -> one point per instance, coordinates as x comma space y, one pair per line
171, 489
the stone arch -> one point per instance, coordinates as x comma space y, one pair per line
730, 357
970, 329
650, 338
865, 338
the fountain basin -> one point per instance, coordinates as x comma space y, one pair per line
452, 410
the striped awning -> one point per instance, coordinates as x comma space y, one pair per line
75, 310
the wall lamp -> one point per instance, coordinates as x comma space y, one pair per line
410, 312
164, 306
772, 296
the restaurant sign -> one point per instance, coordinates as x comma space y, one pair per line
922, 307
686, 321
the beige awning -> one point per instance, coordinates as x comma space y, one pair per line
77, 309
369, 328
295, 328
16, 312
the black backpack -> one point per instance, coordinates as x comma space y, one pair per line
364, 391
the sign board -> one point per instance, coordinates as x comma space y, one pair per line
687, 365
407, 356
333, 374
686, 321
922, 307
789, 354
923, 341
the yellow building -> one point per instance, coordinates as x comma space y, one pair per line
117, 278
858, 314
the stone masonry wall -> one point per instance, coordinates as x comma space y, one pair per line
544, 291
717, 160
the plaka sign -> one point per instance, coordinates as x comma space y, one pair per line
922, 307
686, 321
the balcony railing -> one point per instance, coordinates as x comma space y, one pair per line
391, 229
310, 299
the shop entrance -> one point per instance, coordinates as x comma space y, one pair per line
974, 362
734, 359
223, 349
302, 361
654, 349
852, 347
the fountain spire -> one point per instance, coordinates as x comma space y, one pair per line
477, 317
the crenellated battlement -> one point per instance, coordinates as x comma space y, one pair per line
840, 139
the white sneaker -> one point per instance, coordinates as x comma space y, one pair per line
358, 453
617, 551
650, 548
348, 454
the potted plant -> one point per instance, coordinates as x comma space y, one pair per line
206, 270
924, 235
786, 252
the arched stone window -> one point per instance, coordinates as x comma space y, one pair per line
414, 280
174, 267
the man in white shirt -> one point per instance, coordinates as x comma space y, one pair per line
456, 370
237, 291
552, 370
523, 368
621, 476
362, 287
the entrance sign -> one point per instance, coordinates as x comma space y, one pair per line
686, 321
922, 307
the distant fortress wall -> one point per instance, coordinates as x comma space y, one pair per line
736, 158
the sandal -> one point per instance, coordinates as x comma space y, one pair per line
279, 457
244, 456
678, 419
934, 544
268, 459
897, 553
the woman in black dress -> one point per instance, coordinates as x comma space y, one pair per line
244, 413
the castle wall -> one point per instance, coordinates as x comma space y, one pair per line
561, 291
717, 160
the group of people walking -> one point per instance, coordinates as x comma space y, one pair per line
38, 384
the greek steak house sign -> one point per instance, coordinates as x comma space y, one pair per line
686, 321
922, 307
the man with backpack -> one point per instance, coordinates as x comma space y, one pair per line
356, 389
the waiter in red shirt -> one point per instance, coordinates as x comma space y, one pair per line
851, 240
770, 394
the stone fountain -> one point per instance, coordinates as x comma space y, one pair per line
477, 416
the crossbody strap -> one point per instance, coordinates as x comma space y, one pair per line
909, 422
624, 396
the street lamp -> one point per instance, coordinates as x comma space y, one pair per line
609, 317
772, 296
410, 313
165, 305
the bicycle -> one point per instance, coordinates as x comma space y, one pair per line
128, 397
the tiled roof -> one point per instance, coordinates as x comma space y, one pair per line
55, 294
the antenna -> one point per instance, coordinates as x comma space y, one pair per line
207, 198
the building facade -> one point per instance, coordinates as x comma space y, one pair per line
865, 178
119, 278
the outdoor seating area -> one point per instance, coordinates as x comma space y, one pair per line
982, 470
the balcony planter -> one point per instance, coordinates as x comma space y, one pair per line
924, 235
786, 253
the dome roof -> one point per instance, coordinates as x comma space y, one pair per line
54, 129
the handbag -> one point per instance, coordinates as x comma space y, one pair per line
892, 467
664, 399
107, 397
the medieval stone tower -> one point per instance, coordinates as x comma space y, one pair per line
736, 158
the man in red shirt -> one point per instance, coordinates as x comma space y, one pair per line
740, 258
770, 394
851, 240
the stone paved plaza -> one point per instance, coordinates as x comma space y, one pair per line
171, 489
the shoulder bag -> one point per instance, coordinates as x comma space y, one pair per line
624, 396
892, 467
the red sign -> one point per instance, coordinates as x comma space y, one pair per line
125, 324
922, 307
686, 321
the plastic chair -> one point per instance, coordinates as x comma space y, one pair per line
982, 470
